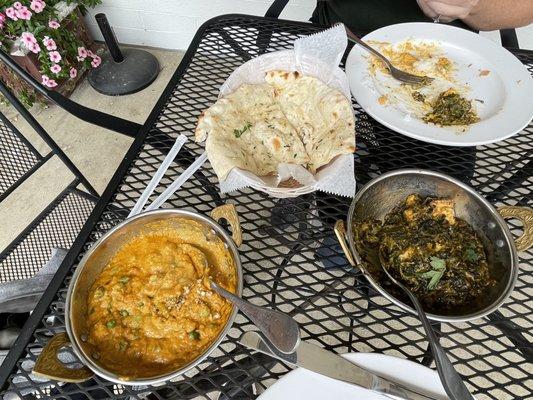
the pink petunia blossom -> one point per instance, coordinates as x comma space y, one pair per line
73, 73
55, 57
17, 5
11, 13
37, 5
53, 24
2, 20
51, 83
24, 13
82, 53
30, 42
45, 79
96, 61
55, 68
28, 38
90, 54
34, 48
50, 44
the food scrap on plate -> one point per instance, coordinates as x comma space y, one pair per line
442, 102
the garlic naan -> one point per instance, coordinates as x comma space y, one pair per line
322, 116
291, 119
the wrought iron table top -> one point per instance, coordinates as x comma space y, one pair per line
290, 257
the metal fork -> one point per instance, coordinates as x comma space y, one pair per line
395, 72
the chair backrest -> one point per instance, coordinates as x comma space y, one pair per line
18, 157
95, 117
509, 38
276, 8
21, 170
57, 225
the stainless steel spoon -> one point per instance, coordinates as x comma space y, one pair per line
450, 379
282, 331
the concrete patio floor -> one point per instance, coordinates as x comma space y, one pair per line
97, 152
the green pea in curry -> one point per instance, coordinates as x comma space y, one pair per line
426, 247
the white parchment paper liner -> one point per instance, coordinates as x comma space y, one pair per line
318, 56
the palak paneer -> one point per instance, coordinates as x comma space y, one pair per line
437, 255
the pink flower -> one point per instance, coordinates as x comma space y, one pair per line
96, 61
55, 57
90, 53
17, 5
28, 38
55, 68
73, 73
53, 24
11, 13
48, 82
50, 44
2, 20
80, 59
24, 13
37, 5
82, 53
34, 48
30, 42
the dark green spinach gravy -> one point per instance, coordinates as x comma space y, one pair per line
435, 254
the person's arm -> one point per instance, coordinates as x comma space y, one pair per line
482, 15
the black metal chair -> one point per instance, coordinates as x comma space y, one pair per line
56, 226
95, 117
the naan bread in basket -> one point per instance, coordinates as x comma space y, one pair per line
290, 118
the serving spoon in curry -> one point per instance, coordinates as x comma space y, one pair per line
282, 331
450, 379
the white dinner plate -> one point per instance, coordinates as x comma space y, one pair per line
301, 384
506, 92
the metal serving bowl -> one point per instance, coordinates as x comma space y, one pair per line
88, 270
379, 196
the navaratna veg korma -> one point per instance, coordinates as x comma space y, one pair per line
151, 309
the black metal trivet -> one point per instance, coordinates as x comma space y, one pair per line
290, 260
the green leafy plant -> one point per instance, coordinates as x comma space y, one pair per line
435, 274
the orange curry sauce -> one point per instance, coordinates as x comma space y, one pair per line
151, 309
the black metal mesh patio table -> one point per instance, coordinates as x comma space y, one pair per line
290, 258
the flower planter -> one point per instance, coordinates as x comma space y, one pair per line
72, 24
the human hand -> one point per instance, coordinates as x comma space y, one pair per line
447, 10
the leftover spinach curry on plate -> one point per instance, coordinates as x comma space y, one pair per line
425, 246
441, 101
151, 310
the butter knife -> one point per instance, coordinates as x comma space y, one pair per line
329, 364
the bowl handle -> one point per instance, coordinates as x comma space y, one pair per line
50, 367
229, 213
524, 214
340, 231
